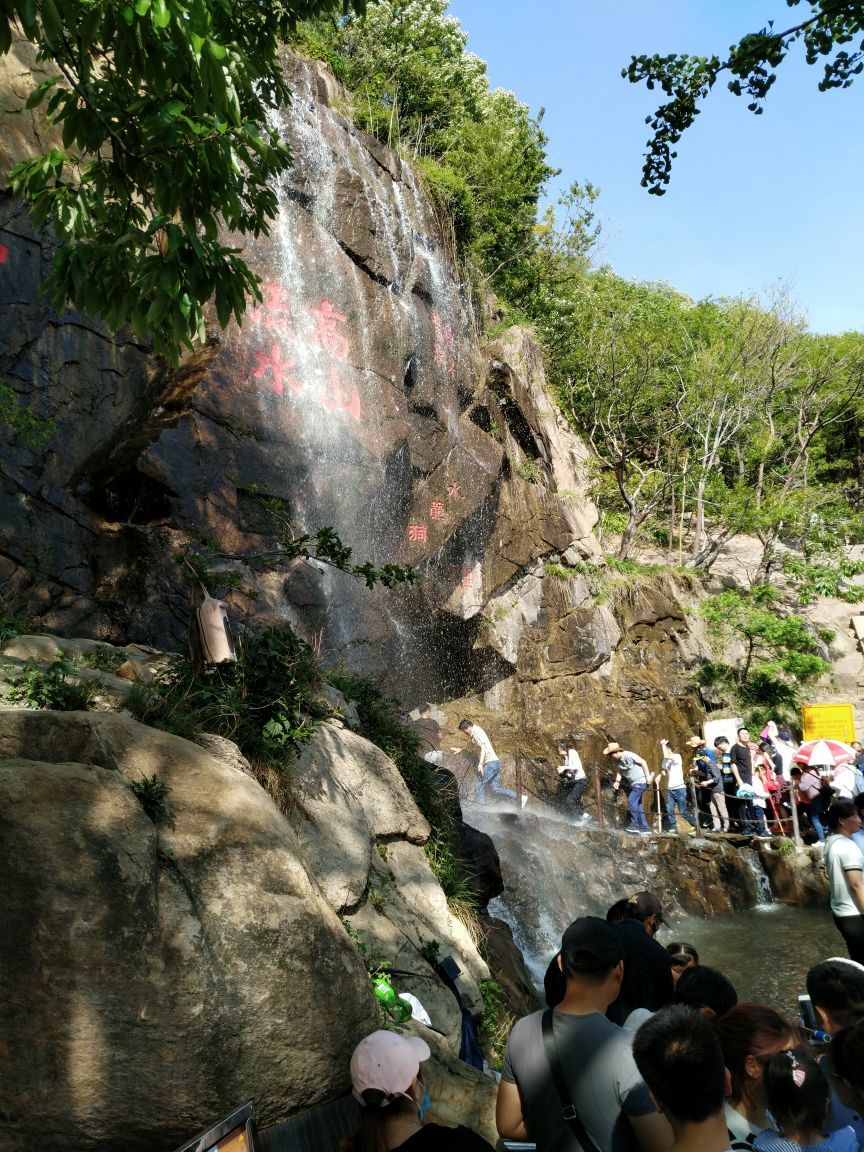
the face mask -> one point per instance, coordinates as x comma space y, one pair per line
423, 1107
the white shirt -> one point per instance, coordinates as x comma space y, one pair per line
842, 855
845, 783
674, 767
573, 763
487, 752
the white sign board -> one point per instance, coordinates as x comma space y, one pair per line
727, 727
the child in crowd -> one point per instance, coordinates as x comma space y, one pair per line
796, 1092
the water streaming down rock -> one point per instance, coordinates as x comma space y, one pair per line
358, 363
554, 872
357, 393
761, 879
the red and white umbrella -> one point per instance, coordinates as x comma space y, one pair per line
825, 752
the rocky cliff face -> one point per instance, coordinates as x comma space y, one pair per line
356, 392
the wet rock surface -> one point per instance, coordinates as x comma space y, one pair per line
357, 393
554, 873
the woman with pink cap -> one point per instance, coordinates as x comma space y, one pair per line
385, 1071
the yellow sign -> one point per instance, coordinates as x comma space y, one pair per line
828, 722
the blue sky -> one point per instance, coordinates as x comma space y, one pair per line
753, 199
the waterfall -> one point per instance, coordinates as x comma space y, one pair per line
764, 894
354, 361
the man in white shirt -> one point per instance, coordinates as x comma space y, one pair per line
676, 789
488, 765
844, 864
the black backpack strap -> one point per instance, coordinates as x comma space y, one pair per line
568, 1112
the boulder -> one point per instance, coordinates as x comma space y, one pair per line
155, 976
349, 795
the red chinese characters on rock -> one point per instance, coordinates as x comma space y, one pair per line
462, 574
4, 253
436, 510
454, 491
417, 533
277, 365
276, 305
321, 327
326, 332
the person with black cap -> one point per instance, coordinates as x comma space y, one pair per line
569, 1079
647, 981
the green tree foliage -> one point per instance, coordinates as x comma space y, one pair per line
162, 108
617, 382
724, 416
407, 65
830, 32
779, 654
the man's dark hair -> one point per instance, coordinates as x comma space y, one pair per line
618, 911
840, 810
846, 1055
680, 1059
743, 728
838, 987
424, 708
464, 725
704, 987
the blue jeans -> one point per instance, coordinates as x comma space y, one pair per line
816, 812
491, 772
634, 803
747, 816
678, 796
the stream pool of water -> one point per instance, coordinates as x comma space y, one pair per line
765, 952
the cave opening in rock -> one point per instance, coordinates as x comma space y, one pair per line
131, 497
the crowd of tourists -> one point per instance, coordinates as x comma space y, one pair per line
743, 786
643, 1048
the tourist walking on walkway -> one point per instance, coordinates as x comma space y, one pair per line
488, 765
638, 780
810, 789
676, 789
741, 760
571, 776
844, 864
730, 784
429, 731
